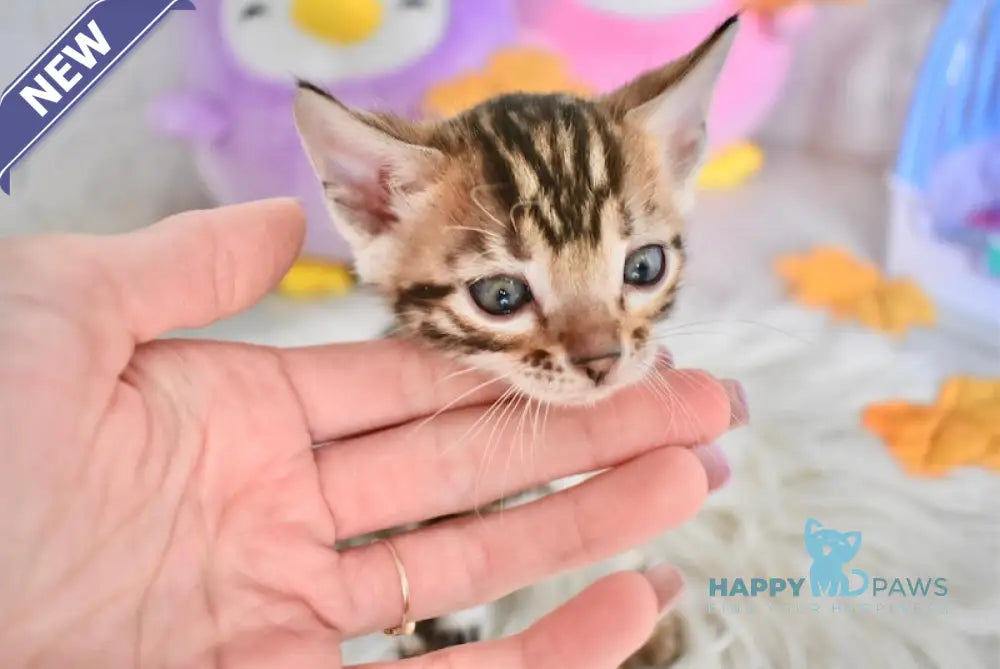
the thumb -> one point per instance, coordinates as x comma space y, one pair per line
195, 268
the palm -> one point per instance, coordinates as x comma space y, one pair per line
208, 436
251, 521
170, 507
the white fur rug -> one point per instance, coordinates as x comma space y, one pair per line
806, 455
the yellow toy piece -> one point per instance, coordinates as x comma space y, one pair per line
962, 428
311, 278
518, 69
338, 22
855, 290
732, 167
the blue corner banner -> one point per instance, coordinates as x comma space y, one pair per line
69, 68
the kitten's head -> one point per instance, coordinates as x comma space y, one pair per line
827, 545
535, 236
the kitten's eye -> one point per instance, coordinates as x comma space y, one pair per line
500, 295
645, 266
252, 11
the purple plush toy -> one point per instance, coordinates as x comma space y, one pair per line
244, 58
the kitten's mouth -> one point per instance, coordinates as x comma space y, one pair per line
584, 392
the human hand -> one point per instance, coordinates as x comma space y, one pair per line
163, 503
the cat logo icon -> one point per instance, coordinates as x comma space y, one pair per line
831, 551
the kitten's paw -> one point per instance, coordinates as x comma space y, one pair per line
664, 647
452, 630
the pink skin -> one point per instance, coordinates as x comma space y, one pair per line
174, 503
606, 50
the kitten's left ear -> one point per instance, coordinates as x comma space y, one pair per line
672, 104
853, 539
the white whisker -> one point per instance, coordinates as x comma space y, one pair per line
491, 446
460, 372
455, 401
482, 420
680, 327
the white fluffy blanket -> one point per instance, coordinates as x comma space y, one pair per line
804, 456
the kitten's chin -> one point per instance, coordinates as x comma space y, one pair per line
583, 398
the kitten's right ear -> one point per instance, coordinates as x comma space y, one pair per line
812, 525
368, 174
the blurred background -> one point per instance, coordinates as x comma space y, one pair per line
845, 256
847, 96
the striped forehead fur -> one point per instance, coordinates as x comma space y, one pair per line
550, 162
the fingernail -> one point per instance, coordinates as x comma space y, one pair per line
716, 465
739, 410
668, 584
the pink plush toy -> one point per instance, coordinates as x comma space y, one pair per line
608, 42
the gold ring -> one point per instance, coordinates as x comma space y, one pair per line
405, 627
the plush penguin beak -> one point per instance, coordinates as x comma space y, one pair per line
338, 22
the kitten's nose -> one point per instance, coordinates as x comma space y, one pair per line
592, 347
597, 366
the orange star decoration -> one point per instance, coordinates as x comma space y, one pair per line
522, 69
852, 289
962, 428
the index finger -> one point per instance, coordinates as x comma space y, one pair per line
350, 389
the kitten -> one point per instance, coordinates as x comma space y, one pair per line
536, 237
